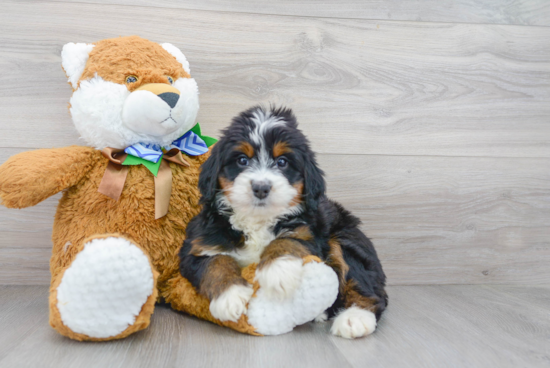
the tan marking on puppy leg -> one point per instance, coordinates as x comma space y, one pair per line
302, 233
199, 249
281, 247
336, 260
245, 148
280, 148
221, 273
353, 298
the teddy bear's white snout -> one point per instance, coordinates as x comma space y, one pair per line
147, 113
107, 114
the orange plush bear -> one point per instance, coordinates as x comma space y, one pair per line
127, 198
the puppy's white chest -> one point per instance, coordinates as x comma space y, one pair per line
257, 237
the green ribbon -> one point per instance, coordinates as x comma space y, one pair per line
154, 167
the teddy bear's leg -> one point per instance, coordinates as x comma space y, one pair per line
182, 296
107, 291
316, 292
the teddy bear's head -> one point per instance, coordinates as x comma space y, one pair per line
129, 90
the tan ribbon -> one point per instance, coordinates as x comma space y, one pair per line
115, 174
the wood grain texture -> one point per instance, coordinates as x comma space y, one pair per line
530, 12
448, 220
424, 326
382, 87
23, 311
434, 220
457, 326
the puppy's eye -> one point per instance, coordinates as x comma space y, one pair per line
242, 161
131, 79
282, 162
170, 80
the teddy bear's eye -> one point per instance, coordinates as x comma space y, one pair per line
131, 79
170, 80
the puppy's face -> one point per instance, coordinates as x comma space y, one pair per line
262, 178
261, 165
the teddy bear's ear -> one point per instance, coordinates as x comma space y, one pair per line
178, 55
73, 59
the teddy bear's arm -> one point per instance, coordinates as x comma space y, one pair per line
30, 177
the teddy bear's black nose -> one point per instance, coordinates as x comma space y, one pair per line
170, 98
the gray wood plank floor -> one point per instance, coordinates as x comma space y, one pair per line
425, 326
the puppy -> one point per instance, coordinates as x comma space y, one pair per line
264, 202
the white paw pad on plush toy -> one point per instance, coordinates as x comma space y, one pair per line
315, 293
105, 287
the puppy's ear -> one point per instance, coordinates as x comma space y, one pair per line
314, 183
208, 178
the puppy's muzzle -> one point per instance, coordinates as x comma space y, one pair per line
261, 189
164, 91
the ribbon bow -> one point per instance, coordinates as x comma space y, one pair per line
189, 143
155, 158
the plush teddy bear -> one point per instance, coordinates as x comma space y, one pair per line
128, 196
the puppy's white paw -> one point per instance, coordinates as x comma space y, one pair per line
321, 318
231, 304
280, 278
354, 322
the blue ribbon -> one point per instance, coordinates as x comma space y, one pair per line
189, 143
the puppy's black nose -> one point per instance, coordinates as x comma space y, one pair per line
261, 189
170, 98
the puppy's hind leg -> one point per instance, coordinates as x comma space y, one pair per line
357, 319
362, 297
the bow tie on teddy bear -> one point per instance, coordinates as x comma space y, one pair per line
155, 158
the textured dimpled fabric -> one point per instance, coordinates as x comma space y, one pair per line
317, 292
105, 287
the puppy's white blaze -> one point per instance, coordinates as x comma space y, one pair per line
280, 278
354, 322
263, 123
97, 110
231, 304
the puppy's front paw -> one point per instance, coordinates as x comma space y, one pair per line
231, 304
354, 322
280, 278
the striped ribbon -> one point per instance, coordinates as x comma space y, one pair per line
189, 143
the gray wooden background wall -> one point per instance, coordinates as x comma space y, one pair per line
431, 118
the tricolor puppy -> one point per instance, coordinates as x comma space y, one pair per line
264, 202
